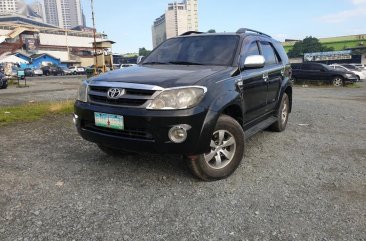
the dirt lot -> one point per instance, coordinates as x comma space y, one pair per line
308, 183
48, 88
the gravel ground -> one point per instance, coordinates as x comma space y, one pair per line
48, 88
307, 183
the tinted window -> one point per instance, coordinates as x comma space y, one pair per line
205, 50
306, 66
253, 49
268, 53
317, 67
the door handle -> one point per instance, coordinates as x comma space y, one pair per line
265, 77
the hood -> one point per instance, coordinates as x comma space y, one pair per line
161, 75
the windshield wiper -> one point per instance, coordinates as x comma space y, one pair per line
184, 63
155, 63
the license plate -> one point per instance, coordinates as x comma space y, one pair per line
109, 121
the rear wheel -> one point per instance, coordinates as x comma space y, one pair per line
226, 152
338, 81
282, 115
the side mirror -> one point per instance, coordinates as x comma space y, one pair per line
254, 62
140, 59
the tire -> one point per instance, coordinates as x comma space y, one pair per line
207, 166
358, 78
282, 115
338, 81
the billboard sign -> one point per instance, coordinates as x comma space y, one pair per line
326, 56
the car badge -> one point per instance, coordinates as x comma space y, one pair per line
115, 93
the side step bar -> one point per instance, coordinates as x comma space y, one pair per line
259, 127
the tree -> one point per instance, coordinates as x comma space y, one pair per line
211, 31
308, 45
144, 52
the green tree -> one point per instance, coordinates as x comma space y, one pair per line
144, 52
307, 45
211, 31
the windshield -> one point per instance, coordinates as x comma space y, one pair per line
196, 50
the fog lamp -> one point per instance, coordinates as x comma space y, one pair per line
178, 134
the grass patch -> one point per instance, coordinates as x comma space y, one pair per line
34, 111
354, 85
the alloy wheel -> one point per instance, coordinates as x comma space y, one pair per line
223, 146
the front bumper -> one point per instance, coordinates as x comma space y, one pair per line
146, 130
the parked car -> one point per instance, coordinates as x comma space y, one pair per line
321, 72
199, 95
350, 68
28, 72
66, 71
360, 66
77, 70
126, 65
3, 81
38, 72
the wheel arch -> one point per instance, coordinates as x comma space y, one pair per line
288, 91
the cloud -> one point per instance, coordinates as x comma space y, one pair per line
280, 36
344, 15
359, 10
358, 2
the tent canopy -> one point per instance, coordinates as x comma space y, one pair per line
13, 59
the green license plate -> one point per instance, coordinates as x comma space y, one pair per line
109, 121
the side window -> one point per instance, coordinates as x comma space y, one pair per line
268, 53
252, 50
317, 67
306, 66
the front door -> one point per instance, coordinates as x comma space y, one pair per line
254, 87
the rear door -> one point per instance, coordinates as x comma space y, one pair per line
274, 71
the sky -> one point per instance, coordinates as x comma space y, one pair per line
128, 22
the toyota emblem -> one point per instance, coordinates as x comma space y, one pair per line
115, 93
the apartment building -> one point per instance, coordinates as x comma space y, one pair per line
8, 6
178, 18
63, 13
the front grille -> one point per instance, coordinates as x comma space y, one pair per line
131, 98
133, 133
123, 102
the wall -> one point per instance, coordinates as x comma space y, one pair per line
64, 56
61, 40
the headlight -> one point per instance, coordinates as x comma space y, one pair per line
178, 98
350, 76
83, 92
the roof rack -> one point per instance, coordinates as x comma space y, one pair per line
190, 32
244, 30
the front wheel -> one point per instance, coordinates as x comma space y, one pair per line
338, 81
225, 154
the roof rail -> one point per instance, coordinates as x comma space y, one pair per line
190, 32
244, 30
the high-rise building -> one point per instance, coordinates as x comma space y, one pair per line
37, 7
63, 13
192, 14
8, 6
178, 18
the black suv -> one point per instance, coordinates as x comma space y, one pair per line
201, 95
321, 72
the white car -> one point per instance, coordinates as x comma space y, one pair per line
361, 75
77, 70
126, 65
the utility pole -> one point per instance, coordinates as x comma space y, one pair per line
95, 38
